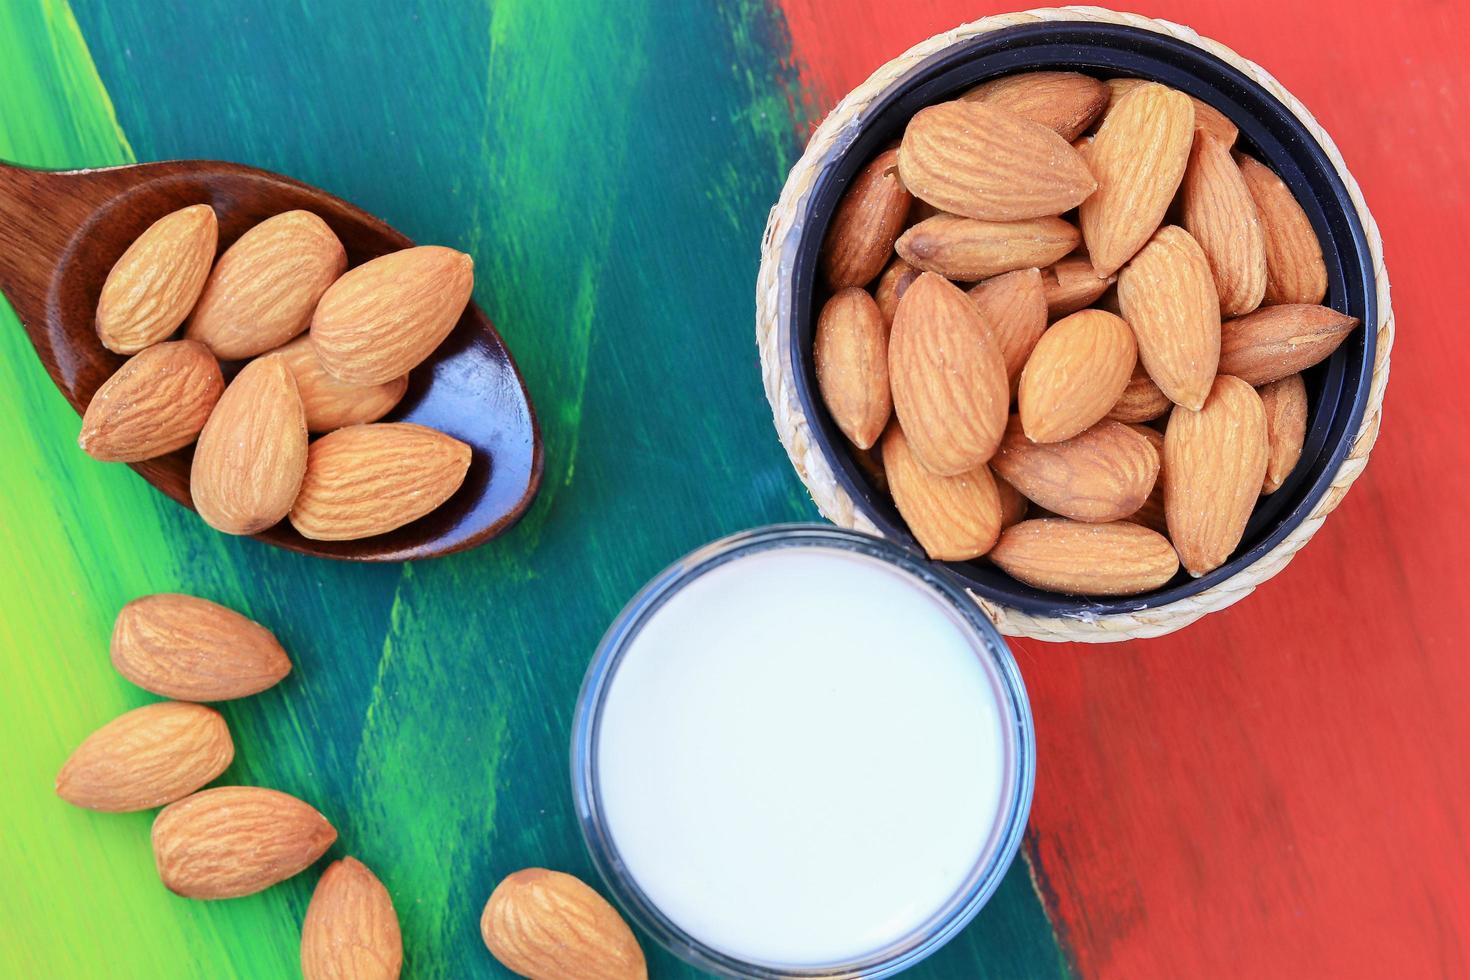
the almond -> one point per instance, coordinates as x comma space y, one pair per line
954, 518
192, 649
1207, 118
948, 378
156, 402
1103, 474
892, 284
1277, 341
381, 319
1217, 210
546, 925
1071, 285
1086, 559
1285, 402
1216, 462
851, 354
156, 282
1013, 503
1295, 272
236, 840
369, 479
147, 757
1063, 101
1167, 294
1141, 401
969, 250
331, 404
982, 162
251, 455
1013, 308
1151, 514
867, 221
1138, 157
351, 930
264, 288
1076, 374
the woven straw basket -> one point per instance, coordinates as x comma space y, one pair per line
774, 299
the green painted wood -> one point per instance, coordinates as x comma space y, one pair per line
610, 167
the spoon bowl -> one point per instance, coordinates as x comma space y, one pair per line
61, 232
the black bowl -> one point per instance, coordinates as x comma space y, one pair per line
1337, 389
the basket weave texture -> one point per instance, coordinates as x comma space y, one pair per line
773, 308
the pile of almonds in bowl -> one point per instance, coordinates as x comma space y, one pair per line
323, 350
1066, 330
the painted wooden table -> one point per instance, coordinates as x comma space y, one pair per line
1278, 791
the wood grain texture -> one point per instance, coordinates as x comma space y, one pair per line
1277, 790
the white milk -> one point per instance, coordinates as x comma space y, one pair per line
801, 757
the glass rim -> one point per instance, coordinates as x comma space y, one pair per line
991, 864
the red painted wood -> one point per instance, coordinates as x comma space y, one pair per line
1281, 790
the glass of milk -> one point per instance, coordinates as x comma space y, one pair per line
802, 752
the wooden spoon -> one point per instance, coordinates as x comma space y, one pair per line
61, 232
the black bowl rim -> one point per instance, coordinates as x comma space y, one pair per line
1343, 383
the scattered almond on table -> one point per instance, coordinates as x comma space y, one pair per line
351, 929
1089, 307
224, 841
324, 347
546, 925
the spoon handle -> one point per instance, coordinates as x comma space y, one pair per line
41, 214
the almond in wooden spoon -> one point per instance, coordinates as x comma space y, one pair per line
381, 319
369, 479
851, 355
251, 455
158, 401
147, 757
545, 925
983, 162
331, 404
1216, 463
264, 288
351, 929
155, 283
948, 378
1076, 374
